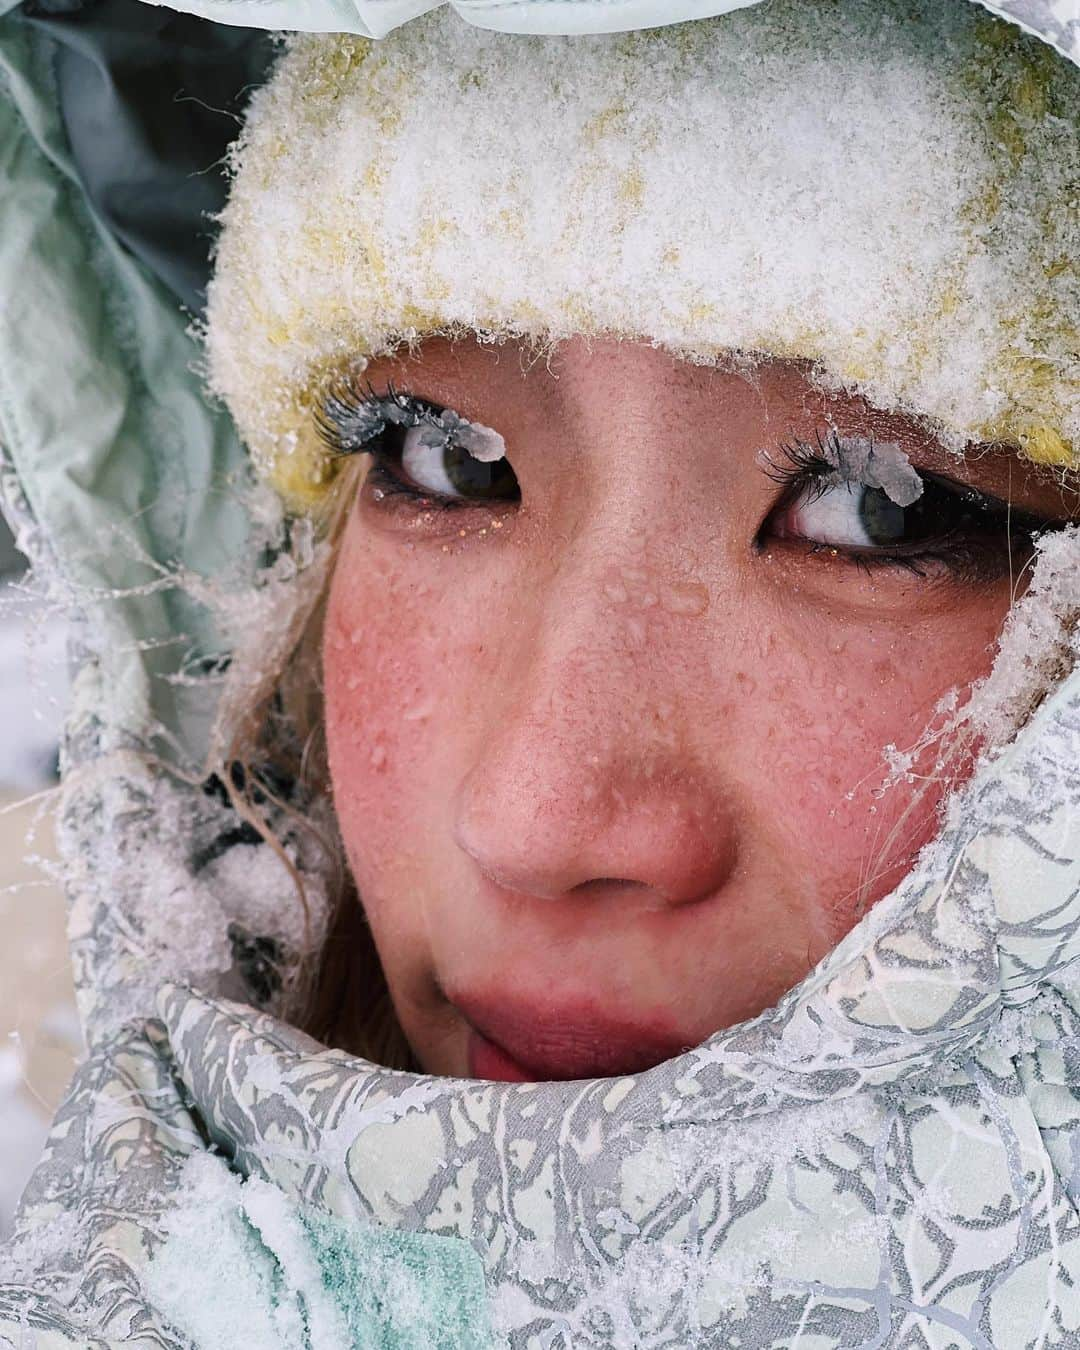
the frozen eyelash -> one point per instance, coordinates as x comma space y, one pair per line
855, 461
804, 466
348, 420
348, 417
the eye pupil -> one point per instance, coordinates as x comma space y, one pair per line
883, 520
474, 478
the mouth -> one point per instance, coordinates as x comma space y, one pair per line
512, 1042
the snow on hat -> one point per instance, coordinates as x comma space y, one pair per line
885, 188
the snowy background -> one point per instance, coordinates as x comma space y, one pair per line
39, 1034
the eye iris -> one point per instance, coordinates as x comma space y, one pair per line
883, 520
937, 513
472, 478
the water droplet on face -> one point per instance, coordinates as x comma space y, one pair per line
419, 712
689, 598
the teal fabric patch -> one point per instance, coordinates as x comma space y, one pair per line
399, 1291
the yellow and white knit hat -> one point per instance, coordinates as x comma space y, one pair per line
887, 188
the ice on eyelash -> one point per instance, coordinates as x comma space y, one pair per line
481, 442
362, 422
874, 464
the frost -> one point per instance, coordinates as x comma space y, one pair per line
481, 442
166, 880
873, 464
235, 1267
360, 422
448, 428
1039, 644
40, 1247
241, 1265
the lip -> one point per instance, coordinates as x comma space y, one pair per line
513, 1042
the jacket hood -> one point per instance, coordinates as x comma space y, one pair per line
908, 1108
1054, 21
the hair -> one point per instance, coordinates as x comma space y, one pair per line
338, 990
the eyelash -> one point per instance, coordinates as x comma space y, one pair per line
805, 471
803, 467
346, 402
802, 470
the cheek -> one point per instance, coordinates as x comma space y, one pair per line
395, 681
846, 823
374, 673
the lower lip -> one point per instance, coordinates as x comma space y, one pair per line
486, 1060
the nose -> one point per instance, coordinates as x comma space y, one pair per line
581, 790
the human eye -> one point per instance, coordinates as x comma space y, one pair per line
867, 504
420, 450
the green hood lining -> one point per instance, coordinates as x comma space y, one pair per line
150, 101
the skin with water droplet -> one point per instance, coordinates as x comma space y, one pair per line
664, 807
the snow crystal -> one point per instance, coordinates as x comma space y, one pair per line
881, 187
448, 428
235, 1267
241, 1265
874, 464
1039, 644
481, 442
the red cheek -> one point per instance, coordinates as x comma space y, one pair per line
849, 827
393, 682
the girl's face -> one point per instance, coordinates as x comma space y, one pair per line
608, 723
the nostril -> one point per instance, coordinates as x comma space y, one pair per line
608, 883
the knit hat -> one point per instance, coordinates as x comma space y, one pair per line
886, 189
